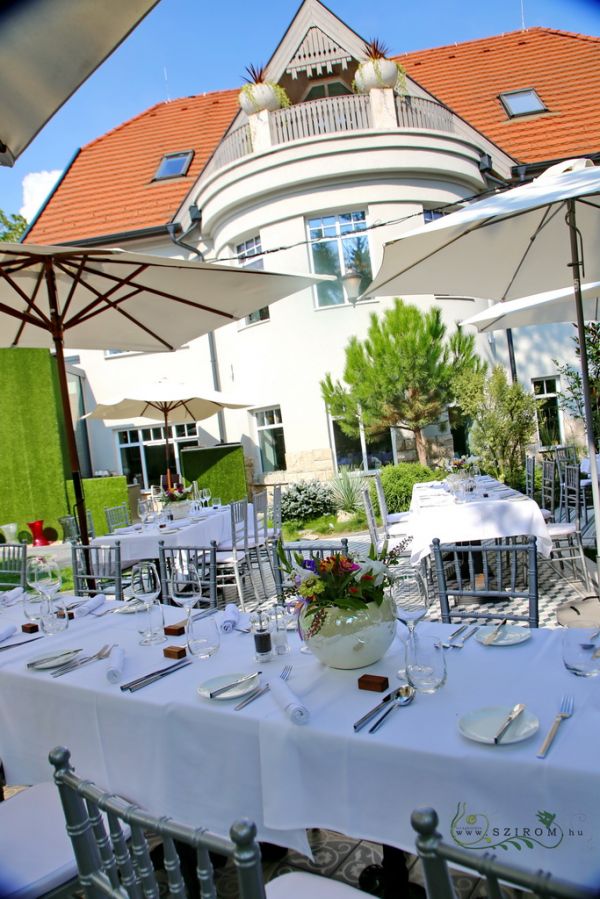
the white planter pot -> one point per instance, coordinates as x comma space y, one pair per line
351, 639
376, 73
255, 97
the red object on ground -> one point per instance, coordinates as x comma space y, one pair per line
37, 530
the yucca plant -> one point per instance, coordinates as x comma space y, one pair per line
347, 490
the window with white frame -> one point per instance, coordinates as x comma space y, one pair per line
327, 89
142, 451
545, 391
430, 215
338, 244
249, 254
362, 450
271, 441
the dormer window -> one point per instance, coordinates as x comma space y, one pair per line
523, 102
327, 89
174, 165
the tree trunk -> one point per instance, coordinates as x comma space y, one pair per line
421, 446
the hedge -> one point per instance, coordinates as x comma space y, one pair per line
100, 494
398, 480
219, 468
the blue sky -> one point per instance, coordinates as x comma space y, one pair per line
205, 46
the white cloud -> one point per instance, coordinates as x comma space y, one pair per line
36, 187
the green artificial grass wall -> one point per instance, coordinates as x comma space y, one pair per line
32, 452
100, 494
219, 468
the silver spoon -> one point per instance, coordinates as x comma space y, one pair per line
406, 694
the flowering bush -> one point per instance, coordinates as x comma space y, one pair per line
338, 581
175, 494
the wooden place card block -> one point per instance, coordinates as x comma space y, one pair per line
174, 652
377, 683
30, 628
175, 630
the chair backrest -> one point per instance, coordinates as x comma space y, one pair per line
97, 569
377, 538
109, 867
182, 558
70, 527
260, 513
291, 552
117, 517
239, 525
572, 491
383, 509
548, 497
530, 476
565, 455
276, 511
13, 563
501, 571
435, 855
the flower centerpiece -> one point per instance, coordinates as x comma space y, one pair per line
345, 612
467, 464
462, 472
175, 500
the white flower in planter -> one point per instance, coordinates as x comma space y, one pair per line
377, 71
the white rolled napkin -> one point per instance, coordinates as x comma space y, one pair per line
115, 664
89, 605
229, 618
8, 631
9, 597
287, 700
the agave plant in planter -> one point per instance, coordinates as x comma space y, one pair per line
378, 71
258, 94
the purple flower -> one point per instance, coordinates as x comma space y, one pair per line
309, 565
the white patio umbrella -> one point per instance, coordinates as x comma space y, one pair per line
546, 308
90, 298
540, 236
47, 50
168, 401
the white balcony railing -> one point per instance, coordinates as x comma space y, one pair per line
326, 116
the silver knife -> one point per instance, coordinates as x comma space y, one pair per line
56, 656
152, 680
227, 687
358, 725
144, 677
255, 695
22, 643
512, 716
491, 637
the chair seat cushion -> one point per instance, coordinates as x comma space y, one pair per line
396, 517
36, 855
561, 529
301, 885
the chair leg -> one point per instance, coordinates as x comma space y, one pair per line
238, 583
584, 569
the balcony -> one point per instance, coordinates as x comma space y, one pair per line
330, 115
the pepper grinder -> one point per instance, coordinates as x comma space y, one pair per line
261, 625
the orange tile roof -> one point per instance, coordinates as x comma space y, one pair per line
562, 67
109, 188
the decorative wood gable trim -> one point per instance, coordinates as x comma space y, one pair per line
317, 54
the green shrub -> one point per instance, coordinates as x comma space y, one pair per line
100, 494
347, 490
307, 499
398, 481
220, 469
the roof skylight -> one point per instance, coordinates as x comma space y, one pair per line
173, 165
522, 102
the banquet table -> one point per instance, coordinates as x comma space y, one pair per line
204, 763
493, 510
141, 541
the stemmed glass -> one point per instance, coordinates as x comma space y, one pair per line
186, 589
43, 576
411, 598
145, 587
143, 508
205, 495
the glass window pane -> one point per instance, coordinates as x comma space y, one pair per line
155, 463
326, 261
146, 434
131, 462
379, 450
522, 102
348, 451
548, 421
272, 449
316, 92
357, 257
337, 89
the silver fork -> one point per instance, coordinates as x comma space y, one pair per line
566, 710
458, 644
102, 653
284, 675
449, 644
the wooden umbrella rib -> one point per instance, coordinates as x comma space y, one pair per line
98, 293
75, 281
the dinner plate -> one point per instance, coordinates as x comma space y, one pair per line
510, 635
54, 661
167, 531
241, 690
482, 725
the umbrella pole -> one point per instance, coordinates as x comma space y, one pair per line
585, 381
57, 336
169, 485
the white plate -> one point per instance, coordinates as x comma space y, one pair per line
167, 531
483, 724
510, 635
241, 690
60, 658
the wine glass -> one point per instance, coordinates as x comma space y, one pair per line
203, 638
143, 508
411, 598
205, 494
43, 575
186, 589
145, 587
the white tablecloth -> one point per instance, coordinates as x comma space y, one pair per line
205, 763
502, 513
143, 544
